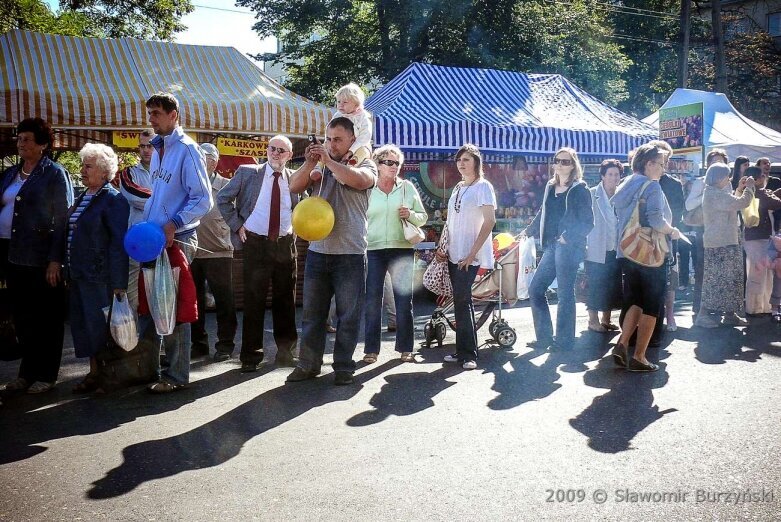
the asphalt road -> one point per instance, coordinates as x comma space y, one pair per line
528, 435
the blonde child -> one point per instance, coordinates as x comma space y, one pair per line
349, 104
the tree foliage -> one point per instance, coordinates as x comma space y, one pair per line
373, 40
147, 19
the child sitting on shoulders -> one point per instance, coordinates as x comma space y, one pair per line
349, 104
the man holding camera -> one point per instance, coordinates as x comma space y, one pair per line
335, 265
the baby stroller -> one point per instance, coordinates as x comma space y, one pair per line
489, 292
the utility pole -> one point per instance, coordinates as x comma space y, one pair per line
683, 57
718, 42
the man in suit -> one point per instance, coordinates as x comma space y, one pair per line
257, 206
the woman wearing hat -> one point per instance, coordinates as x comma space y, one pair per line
722, 287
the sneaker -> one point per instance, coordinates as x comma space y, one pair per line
165, 387
300, 374
704, 321
469, 365
40, 387
451, 358
734, 320
221, 356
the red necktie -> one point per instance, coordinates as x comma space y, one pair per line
273, 218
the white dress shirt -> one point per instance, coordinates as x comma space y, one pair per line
257, 222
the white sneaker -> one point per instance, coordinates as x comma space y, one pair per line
469, 365
451, 358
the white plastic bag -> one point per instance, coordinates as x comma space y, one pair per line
527, 265
160, 287
123, 324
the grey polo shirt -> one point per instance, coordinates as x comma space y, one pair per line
350, 205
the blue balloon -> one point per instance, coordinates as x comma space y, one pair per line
144, 241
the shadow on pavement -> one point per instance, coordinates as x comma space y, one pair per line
38, 419
612, 420
719, 345
222, 439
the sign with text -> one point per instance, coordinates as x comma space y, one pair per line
129, 139
254, 148
682, 127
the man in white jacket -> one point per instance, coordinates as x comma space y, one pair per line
181, 195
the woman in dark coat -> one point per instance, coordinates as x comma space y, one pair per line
95, 260
34, 199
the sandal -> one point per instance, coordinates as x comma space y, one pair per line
596, 327
40, 387
610, 327
407, 357
370, 358
165, 387
88, 384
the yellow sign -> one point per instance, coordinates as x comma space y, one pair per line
129, 139
237, 147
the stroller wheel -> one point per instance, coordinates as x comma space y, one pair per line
441, 331
506, 336
428, 333
495, 326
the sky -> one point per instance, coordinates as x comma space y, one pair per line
218, 22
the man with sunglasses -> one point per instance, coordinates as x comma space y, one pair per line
257, 205
135, 183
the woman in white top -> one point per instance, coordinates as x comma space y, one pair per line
471, 217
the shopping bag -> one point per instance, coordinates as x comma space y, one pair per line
751, 213
527, 265
123, 324
161, 294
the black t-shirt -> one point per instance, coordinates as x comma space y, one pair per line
555, 206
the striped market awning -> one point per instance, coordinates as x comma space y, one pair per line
102, 84
434, 108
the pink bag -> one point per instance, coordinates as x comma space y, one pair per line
437, 276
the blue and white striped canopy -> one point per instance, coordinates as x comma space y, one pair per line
433, 108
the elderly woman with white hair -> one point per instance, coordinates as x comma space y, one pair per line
96, 264
391, 201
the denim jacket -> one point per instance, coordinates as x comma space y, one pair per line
39, 213
97, 253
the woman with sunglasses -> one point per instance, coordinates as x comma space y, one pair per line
471, 215
391, 201
562, 225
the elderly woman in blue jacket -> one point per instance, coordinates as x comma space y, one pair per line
34, 198
95, 260
562, 224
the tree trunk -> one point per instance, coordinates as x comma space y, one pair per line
718, 42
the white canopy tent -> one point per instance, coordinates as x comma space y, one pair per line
725, 127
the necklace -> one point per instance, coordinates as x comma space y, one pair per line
457, 204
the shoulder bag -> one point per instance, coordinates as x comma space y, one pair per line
412, 233
437, 276
643, 245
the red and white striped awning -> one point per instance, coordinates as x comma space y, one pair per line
102, 84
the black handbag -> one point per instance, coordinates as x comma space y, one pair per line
118, 368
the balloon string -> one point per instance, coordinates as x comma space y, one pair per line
197, 248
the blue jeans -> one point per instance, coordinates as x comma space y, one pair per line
558, 262
464, 310
397, 261
326, 275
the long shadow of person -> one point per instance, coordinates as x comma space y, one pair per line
612, 420
221, 439
395, 397
97, 414
718, 347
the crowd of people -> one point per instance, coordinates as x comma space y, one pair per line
54, 247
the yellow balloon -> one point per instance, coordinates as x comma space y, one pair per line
503, 240
313, 219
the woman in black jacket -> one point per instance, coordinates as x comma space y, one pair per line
562, 224
34, 199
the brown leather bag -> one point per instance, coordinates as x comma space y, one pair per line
643, 245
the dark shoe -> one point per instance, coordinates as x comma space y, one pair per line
249, 367
637, 366
165, 387
221, 356
285, 361
620, 355
300, 374
342, 377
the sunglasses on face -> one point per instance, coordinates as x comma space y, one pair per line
278, 150
389, 163
563, 162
